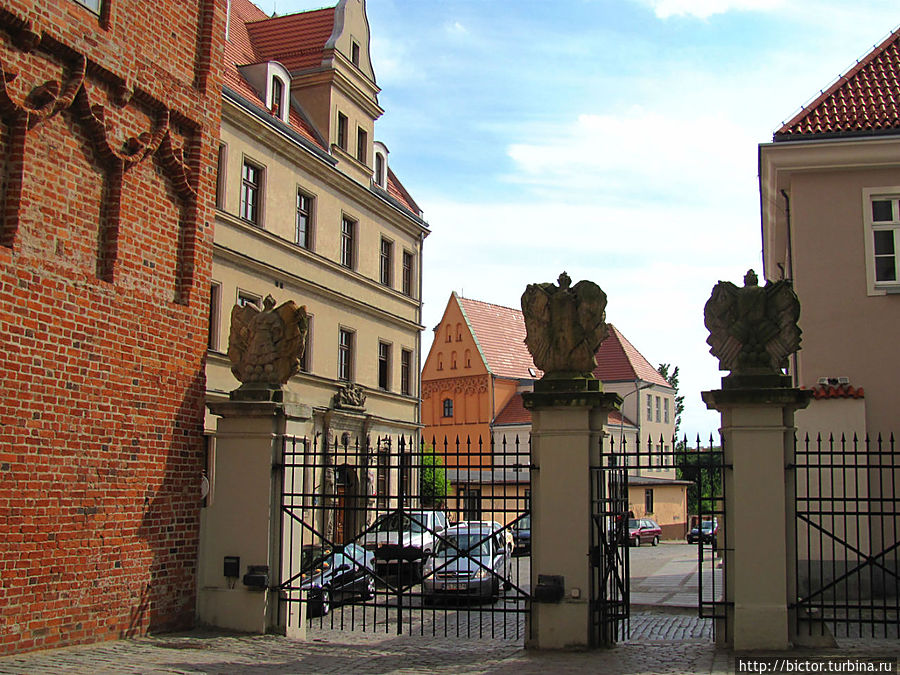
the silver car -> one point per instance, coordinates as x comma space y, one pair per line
469, 560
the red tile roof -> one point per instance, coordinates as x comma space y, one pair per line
864, 100
500, 334
240, 51
841, 391
618, 360
296, 41
515, 412
397, 191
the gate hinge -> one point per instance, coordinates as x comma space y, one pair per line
596, 556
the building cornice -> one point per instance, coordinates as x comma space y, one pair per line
267, 130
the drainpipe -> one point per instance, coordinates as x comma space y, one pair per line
795, 376
419, 344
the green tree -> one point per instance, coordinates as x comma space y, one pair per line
672, 379
433, 484
703, 467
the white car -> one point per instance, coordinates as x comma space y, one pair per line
404, 536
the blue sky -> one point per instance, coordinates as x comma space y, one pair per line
613, 139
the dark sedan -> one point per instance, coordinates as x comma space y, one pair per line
334, 577
706, 532
522, 534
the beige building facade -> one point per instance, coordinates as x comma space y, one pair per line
830, 198
308, 210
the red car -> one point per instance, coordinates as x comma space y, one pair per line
643, 529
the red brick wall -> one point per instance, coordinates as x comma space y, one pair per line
105, 257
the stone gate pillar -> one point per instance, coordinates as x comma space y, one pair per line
567, 424
758, 443
243, 522
752, 331
565, 325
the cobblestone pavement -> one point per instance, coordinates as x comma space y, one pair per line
661, 643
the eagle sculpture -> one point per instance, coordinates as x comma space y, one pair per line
753, 330
265, 346
564, 326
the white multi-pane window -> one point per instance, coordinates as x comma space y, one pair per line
303, 223
387, 262
345, 355
885, 245
666, 410
348, 242
251, 192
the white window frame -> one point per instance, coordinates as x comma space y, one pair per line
310, 218
871, 195
351, 352
260, 188
215, 315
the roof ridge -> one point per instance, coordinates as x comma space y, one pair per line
485, 302
292, 14
858, 107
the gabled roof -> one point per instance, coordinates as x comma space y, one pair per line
618, 360
241, 50
296, 41
499, 333
866, 100
515, 412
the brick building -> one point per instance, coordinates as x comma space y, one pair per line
109, 118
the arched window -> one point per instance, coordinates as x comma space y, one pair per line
459, 332
440, 365
453, 361
468, 357
448, 407
449, 333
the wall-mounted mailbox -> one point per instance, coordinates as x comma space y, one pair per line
550, 588
232, 567
257, 577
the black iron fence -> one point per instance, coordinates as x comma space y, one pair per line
661, 489
397, 535
846, 568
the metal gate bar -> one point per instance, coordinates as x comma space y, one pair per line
342, 502
846, 537
620, 467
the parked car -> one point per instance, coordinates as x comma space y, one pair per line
643, 529
522, 534
332, 578
505, 532
707, 532
404, 538
470, 560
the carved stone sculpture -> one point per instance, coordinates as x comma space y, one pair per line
564, 326
350, 396
753, 330
265, 346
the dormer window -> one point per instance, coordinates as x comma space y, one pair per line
380, 164
379, 170
277, 104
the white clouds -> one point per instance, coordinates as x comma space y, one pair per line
703, 9
639, 155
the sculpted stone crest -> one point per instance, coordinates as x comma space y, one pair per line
350, 396
564, 326
753, 330
265, 346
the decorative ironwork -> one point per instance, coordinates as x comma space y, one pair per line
847, 561
364, 501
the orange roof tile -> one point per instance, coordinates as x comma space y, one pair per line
240, 51
618, 360
515, 412
821, 391
397, 191
296, 41
864, 100
500, 335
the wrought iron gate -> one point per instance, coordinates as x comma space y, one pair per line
615, 492
847, 565
389, 535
